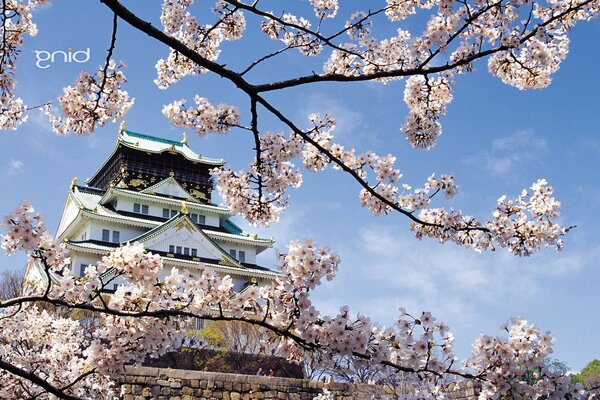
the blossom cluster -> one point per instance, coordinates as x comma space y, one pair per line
25, 231
325, 8
522, 225
259, 194
93, 101
50, 347
202, 118
204, 40
516, 366
294, 31
427, 99
16, 21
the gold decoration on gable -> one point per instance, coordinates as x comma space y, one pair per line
184, 223
73, 183
184, 209
138, 182
197, 194
227, 262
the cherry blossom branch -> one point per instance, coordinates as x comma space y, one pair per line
318, 36
380, 198
332, 77
220, 316
113, 42
146, 27
145, 302
37, 380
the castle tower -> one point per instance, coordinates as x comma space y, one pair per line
158, 192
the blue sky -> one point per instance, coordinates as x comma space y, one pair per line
496, 140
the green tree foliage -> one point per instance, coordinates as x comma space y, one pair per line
590, 375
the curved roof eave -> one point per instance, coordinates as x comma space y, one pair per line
178, 147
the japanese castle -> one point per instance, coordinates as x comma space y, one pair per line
158, 192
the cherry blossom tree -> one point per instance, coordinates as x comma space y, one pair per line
524, 43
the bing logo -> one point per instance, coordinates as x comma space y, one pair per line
44, 59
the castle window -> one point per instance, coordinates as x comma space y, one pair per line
242, 256
198, 219
82, 268
171, 249
105, 235
178, 251
198, 323
144, 209
136, 208
186, 251
233, 253
173, 213
166, 212
116, 236
194, 252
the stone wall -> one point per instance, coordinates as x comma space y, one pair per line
141, 383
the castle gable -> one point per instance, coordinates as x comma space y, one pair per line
169, 187
181, 237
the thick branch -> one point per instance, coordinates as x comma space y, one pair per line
35, 379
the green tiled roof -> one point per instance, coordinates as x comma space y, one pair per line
158, 145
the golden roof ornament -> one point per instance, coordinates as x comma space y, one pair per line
184, 139
122, 126
73, 183
184, 209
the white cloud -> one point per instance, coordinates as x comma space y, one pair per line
511, 152
388, 268
350, 124
14, 166
347, 120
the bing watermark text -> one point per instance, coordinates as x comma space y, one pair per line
44, 59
